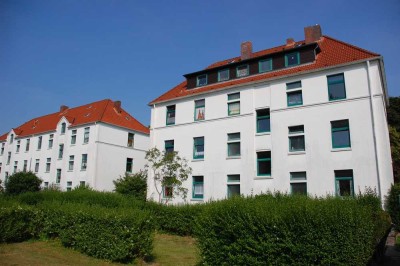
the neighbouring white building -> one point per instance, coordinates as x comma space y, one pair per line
307, 117
92, 144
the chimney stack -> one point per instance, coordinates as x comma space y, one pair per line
312, 33
246, 50
290, 42
63, 108
117, 106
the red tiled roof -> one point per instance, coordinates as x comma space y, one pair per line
3, 137
333, 52
101, 111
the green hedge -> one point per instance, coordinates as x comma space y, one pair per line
289, 230
392, 204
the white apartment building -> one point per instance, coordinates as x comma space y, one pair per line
304, 117
92, 144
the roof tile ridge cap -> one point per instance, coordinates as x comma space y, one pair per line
105, 108
351, 45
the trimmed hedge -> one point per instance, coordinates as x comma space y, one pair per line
392, 204
289, 230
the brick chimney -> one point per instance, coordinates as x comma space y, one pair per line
117, 106
290, 42
246, 50
312, 33
63, 108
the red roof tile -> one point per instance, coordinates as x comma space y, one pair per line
333, 52
3, 137
101, 111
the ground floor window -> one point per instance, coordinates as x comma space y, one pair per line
264, 163
344, 185
233, 185
198, 187
298, 184
167, 192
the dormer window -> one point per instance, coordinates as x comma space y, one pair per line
292, 59
242, 71
223, 75
265, 65
202, 80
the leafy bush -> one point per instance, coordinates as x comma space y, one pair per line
132, 184
22, 182
392, 204
18, 223
1, 187
288, 230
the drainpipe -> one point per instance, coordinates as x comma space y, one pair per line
374, 131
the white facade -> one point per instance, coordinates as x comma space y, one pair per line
105, 146
368, 155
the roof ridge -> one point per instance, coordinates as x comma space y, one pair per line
351, 45
104, 110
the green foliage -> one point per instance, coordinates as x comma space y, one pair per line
393, 112
392, 204
395, 149
22, 182
1, 187
132, 184
84, 187
169, 170
288, 230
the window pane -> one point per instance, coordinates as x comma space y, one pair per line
292, 59
234, 136
223, 75
202, 80
294, 98
297, 143
233, 190
265, 65
234, 149
198, 187
341, 139
345, 187
293, 85
233, 96
242, 71
264, 167
263, 125
336, 79
337, 91
298, 176
199, 103
170, 115
233, 178
296, 129
200, 113
234, 108
299, 188
169, 146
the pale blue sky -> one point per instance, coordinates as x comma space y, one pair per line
73, 52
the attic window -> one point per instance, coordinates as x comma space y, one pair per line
202, 80
292, 59
223, 75
242, 71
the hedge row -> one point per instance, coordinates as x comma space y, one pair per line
289, 230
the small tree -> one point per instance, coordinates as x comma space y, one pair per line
22, 182
132, 184
169, 171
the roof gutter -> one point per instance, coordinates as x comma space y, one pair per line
266, 80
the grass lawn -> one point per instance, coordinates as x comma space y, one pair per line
168, 250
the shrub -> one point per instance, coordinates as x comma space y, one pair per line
22, 182
134, 185
287, 230
1, 187
392, 204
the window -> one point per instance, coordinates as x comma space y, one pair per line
2, 149
63, 127
25, 165
336, 87
82, 183
39, 145
234, 104
6, 177
58, 176
242, 71
129, 164
46, 184
169, 146
265, 65
294, 95
69, 185
71, 163
263, 121
198, 148
86, 135
340, 134
264, 163
171, 115
28, 143
84, 162
233, 144
198, 187
18, 145
48, 164
168, 191
37, 165
130, 139
344, 183
11, 138
223, 75
233, 185
292, 59
60, 151
15, 166
9, 157
296, 138
202, 80
298, 183
73, 137
199, 110
51, 141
